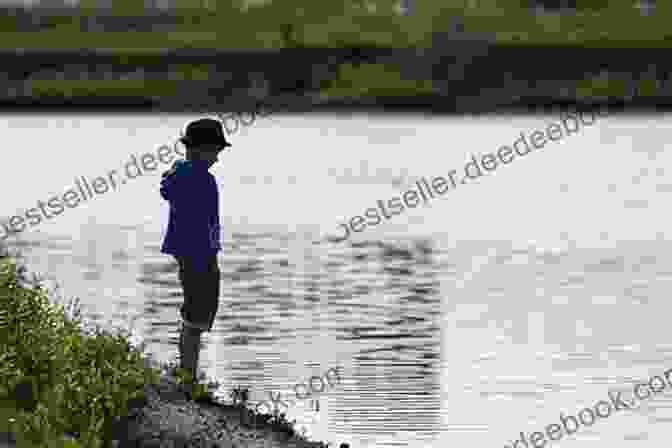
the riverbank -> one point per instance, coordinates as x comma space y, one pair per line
66, 384
453, 77
432, 105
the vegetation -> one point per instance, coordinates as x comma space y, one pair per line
608, 86
225, 24
351, 81
55, 377
371, 80
73, 88
59, 375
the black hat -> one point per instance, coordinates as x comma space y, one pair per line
204, 131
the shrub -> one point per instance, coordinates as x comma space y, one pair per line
375, 80
59, 378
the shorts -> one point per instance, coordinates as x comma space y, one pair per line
201, 286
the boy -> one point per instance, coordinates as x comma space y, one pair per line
193, 233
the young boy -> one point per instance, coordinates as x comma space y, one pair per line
193, 233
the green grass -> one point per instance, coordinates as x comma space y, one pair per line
371, 80
136, 42
103, 88
55, 375
9, 412
613, 87
618, 25
365, 80
332, 25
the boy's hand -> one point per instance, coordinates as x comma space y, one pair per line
165, 179
171, 171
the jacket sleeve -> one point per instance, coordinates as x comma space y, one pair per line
167, 180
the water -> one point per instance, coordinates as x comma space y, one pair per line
531, 291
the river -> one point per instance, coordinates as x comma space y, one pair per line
531, 291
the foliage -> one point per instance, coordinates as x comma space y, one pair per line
619, 87
219, 24
58, 375
375, 80
55, 376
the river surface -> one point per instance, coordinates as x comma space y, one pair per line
529, 292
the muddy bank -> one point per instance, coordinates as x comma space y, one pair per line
169, 418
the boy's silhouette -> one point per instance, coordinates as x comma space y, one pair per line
193, 233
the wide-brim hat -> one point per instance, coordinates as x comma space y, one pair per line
205, 131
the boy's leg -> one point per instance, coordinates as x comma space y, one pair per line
201, 298
190, 345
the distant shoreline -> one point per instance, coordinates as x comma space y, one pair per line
474, 77
437, 105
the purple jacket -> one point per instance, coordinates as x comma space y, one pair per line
193, 226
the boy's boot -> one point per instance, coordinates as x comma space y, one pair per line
190, 345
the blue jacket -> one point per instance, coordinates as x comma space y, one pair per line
193, 226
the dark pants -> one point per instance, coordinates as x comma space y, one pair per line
200, 280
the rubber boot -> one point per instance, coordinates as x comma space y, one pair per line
190, 345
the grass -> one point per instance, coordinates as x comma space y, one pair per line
55, 375
168, 85
617, 24
92, 87
361, 81
352, 81
371, 80
614, 87
59, 375
136, 42
508, 22
613, 27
